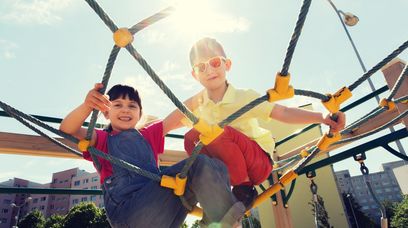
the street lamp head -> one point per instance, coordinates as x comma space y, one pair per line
13, 205
350, 19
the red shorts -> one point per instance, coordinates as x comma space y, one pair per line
242, 156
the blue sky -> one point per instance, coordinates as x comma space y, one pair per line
53, 51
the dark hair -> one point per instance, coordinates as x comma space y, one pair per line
206, 45
123, 91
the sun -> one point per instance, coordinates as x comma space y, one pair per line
194, 18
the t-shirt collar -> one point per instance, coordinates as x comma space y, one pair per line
229, 96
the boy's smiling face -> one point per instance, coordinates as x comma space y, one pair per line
213, 75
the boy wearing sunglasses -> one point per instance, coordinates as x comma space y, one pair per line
244, 146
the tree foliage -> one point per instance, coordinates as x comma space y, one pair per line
85, 215
400, 218
322, 215
354, 213
250, 222
34, 219
54, 221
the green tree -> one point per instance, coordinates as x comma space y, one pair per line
184, 225
400, 218
250, 222
355, 214
319, 209
34, 219
54, 221
196, 224
101, 220
84, 215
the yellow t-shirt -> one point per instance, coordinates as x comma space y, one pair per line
248, 123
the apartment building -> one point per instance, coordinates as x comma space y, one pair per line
86, 181
383, 183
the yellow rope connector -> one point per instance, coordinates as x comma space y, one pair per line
122, 37
176, 183
288, 177
83, 145
335, 100
304, 153
325, 141
282, 89
208, 132
390, 105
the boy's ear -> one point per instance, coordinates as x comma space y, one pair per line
194, 74
228, 64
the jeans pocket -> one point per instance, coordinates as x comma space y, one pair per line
113, 186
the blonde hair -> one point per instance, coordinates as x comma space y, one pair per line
206, 45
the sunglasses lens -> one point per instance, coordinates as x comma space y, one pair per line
215, 62
199, 67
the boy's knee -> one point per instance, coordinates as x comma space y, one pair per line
208, 165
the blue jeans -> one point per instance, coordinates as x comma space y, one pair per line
129, 203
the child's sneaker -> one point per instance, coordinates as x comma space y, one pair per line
246, 194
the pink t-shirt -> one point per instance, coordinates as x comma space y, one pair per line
153, 133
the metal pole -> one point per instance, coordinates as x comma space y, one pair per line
339, 12
352, 210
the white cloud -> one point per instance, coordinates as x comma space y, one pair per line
34, 11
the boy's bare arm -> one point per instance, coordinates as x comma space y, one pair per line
173, 120
302, 116
72, 123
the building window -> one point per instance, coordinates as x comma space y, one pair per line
75, 201
42, 207
85, 181
52, 206
77, 183
35, 200
94, 179
4, 211
43, 198
94, 187
84, 199
7, 201
3, 220
93, 198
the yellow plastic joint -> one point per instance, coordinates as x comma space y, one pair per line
207, 132
335, 100
304, 153
288, 177
326, 140
282, 89
390, 105
176, 183
83, 145
122, 37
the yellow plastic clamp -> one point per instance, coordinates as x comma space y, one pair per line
122, 37
83, 145
325, 141
176, 183
288, 177
304, 153
282, 89
208, 132
335, 100
386, 103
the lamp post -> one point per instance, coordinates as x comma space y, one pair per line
18, 210
350, 19
348, 196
